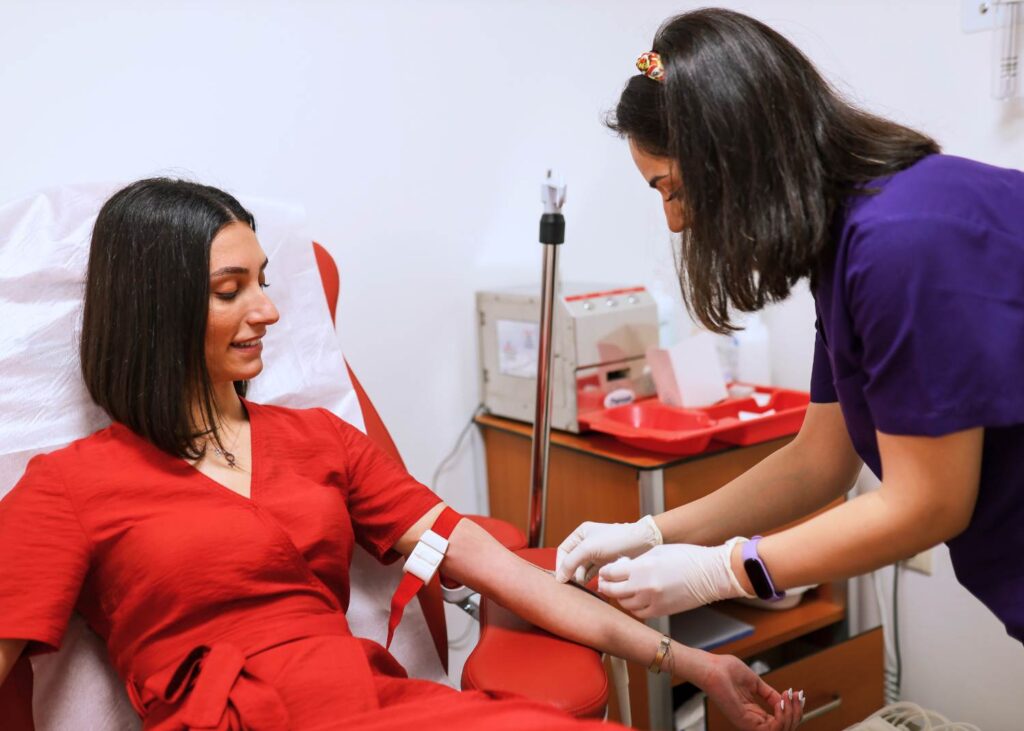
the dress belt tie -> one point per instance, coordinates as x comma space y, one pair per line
209, 689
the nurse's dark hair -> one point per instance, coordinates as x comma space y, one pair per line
767, 151
147, 294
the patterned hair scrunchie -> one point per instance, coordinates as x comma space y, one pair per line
650, 65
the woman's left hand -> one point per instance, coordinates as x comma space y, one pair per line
671, 578
743, 697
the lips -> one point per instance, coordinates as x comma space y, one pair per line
253, 344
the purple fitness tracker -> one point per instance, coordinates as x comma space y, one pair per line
757, 572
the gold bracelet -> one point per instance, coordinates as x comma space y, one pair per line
664, 647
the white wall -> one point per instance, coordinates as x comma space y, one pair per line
416, 133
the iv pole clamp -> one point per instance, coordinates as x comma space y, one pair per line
552, 235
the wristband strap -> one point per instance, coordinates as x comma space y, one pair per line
758, 574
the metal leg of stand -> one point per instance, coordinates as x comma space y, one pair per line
659, 687
541, 444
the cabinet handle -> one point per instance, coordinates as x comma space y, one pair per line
824, 708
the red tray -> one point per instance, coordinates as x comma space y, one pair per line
789, 407
651, 425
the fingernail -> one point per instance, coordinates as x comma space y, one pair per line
800, 695
782, 704
790, 693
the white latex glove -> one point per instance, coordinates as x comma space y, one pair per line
592, 545
672, 578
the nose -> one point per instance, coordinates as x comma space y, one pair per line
264, 312
674, 216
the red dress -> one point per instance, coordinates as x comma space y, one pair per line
221, 611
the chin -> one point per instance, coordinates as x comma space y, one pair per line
239, 374
248, 374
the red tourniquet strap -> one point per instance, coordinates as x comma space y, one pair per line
410, 583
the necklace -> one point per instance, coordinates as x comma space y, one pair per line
227, 455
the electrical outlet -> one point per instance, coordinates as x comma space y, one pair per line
922, 562
980, 15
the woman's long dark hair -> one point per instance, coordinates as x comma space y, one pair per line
146, 302
767, 154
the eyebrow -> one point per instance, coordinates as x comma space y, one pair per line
237, 270
653, 182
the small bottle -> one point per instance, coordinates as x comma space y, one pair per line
728, 356
669, 310
753, 352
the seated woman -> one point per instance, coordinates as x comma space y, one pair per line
207, 539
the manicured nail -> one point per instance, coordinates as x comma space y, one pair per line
782, 704
800, 695
790, 693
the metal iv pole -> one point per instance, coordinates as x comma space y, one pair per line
552, 235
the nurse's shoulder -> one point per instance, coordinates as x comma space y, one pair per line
943, 187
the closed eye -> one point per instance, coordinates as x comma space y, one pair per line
228, 296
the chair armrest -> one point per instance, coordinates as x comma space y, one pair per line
514, 656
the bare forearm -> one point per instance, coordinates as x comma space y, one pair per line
477, 560
10, 651
927, 496
863, 534
779, 489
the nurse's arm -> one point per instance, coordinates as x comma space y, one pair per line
928, 492
807, 474
10, 651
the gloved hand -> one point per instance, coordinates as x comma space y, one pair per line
592, 545
672, 578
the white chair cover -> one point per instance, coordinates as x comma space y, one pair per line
44, 245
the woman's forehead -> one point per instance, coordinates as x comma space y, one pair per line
650, 166
236, 243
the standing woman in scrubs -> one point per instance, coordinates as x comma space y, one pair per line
916, 263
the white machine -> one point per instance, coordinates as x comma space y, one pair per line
600, 339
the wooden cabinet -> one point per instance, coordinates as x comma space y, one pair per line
842, 684
595, 477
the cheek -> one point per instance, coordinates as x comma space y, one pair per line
219, 329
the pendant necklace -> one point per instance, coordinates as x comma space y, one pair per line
228, 456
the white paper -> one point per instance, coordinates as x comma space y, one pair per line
688, 374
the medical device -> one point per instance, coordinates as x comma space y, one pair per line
600, 338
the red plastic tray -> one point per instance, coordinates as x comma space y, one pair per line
650, 424
789, 407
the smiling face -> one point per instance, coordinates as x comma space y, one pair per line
240, 311
662, 175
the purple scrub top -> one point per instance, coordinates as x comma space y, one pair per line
920, 331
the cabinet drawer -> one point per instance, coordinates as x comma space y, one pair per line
843, 684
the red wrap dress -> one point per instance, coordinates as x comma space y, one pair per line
226, 612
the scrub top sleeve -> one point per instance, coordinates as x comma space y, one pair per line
384, 501
938, 308
823, 390
45, 557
